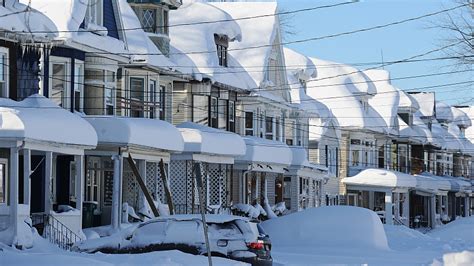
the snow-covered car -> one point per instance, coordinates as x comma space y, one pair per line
230, 236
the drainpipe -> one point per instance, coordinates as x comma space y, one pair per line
244, 184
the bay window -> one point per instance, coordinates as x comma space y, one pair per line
4, 72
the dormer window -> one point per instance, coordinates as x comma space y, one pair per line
406, 117
94, 12
222, 43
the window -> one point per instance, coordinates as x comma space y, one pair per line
406, 118
109, 92
3, 72
94, 12
221, 45
214, 112
78, 87
92, 192
59, 84
248, 123
231, 127
3, 181
278, 129
149, 20
162, 98
355, 157
153, 98
269, 127
137, 91
223, 116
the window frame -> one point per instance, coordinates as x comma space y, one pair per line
78, 86
213, 112
138, 102
249, 118
269, 126
98, 17
4, 74
66, 62
112, 86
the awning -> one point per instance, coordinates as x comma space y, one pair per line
265, 155
208, 144
381, 178
38, 120
142, 133
301, 167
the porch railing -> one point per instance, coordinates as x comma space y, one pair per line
52, 229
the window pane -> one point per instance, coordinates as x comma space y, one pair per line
58, 84
222, 114
249, 123
149, 20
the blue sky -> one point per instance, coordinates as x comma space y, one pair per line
396, 42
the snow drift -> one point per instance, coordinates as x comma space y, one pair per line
335, 226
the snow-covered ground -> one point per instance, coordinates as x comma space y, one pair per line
326, 235
340, 235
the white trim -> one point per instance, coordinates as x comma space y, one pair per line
5, 53
66, 95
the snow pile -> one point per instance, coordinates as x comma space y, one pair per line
335, 226
459, 230
458, 258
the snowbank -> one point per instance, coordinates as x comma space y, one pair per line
458, 258
335, 226
461, 229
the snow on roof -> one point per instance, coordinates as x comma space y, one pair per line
407, 101
455, 134
405, 131
423, 132
427, 181
193, 46
446, 139
469, 111
426, 101
207, 140
300, 161
447, 182
443, 112
265, 151
386, 100
39, 119
343, 89
142, 48
140, 132
67, 16
17, 17
460, 117
381, 178
253, 60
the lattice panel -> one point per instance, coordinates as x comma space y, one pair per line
130, 189
217, 184
152, 180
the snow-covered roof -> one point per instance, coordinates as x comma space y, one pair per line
265, 151
445, 138
193, 46
386, 100
430, 182
343, 89
407, 101
454, 134
460, 117
445, 182
207, 140
38, 119
381, 178
422, 132
426, 101
140, 132
67, 16
17, 17
443, 112
301, 166
469, 111
262, 37
142, 49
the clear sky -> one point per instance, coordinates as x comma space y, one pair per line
396, 42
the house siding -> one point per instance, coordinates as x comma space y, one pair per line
109, 19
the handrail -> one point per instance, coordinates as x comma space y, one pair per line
54, 230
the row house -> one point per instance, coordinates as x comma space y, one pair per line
276, 168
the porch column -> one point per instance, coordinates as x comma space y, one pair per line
388, 208
371, 200
396, 206
432, 209
79, 180
13, 198
257, 189
466, 206
117, 192
406, 209
26, 177
47, 181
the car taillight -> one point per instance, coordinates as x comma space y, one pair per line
255, 245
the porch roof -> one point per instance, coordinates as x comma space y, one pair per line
300, 165
382, 178
447, 182
265, 151
206, 140
429, 182
140, 132
38, 119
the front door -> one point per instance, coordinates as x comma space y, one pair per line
352, 199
